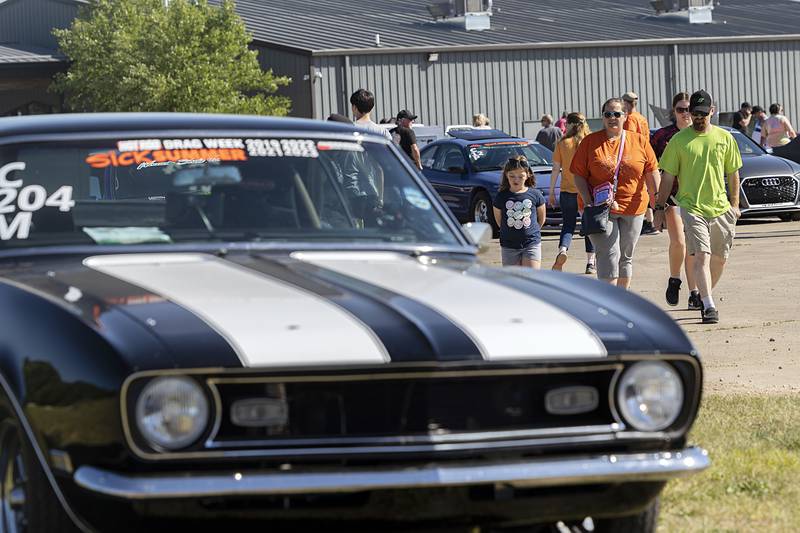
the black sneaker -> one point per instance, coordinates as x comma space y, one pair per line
673, 291
710, 315
695, 302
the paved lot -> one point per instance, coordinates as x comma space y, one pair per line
756, 346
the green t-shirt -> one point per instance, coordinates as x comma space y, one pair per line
701, 161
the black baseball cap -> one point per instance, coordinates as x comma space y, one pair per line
700, 101
405, 113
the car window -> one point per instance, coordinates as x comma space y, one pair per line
449, 157
544, 153
493, 155
747, 146
427, 156
210, 189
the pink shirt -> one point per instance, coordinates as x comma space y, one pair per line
777, 127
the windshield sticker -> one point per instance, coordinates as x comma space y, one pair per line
416, 198
174, 165
28, 199
281, 148
507, 143
129, 235
126, 159
342, 146
477, 153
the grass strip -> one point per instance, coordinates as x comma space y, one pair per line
752, 485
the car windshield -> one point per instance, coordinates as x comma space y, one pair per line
493, 156
747, 146
133, 191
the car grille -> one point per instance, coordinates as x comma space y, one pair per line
770, 190
406, 410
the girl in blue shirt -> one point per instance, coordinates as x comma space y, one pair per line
519, 211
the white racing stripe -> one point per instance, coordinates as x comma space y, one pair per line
267, 321
506, 324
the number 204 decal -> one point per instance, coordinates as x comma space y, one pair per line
14, 195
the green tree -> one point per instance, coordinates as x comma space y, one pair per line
152, 55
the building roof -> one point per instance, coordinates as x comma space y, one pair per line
320, 26
21, 53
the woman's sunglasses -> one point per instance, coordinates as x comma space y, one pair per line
681, 109
615, 114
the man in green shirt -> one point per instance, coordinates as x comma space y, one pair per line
702, 157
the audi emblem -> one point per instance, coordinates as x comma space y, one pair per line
770, 182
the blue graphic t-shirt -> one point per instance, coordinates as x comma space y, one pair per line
519, 226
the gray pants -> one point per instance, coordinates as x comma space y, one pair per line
514, 256
614, 248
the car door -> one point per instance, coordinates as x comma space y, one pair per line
447, 174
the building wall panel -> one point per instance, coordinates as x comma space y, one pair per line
760, 73
32, 21
515, 86
296, 67
510, 87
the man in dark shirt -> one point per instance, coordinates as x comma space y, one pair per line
549, 135
405, 136
741, 119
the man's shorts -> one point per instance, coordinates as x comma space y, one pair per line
709, 235
514, 256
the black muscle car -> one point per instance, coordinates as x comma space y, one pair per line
219, 320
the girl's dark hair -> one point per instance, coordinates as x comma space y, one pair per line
678, 97
513, 163
774, 109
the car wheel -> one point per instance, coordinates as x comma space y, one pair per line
644, 522
789, 217
27, 503
481, 210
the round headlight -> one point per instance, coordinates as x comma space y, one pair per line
650, 395
172, 412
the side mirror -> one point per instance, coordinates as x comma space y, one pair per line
480, 233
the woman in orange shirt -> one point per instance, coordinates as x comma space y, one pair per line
577, 129
593, 164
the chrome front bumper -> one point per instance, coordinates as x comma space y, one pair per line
578, 470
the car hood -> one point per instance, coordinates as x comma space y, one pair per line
344, 308
765, 164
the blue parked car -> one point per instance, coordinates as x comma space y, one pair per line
465, 170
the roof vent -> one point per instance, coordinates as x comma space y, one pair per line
699, 11
473, 14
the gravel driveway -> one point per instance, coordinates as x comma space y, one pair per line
756, 346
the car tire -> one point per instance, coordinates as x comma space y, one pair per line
789, 217
27, 501
480, 210
644, 522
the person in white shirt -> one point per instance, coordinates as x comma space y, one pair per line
362, 102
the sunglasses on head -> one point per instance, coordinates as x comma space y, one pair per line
615, 114
512, 161
699, 114
681, 109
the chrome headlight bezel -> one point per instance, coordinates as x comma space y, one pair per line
650, 396
186, 404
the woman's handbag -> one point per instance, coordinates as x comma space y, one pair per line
595, 217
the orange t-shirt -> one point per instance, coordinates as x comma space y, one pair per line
562, 155
596, 159
636, 122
